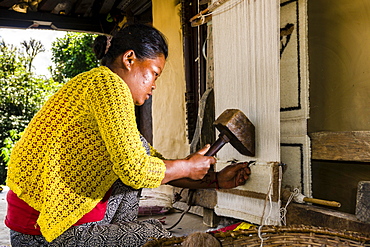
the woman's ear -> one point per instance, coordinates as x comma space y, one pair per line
129, 57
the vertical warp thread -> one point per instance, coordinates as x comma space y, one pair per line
246, 62
246, 73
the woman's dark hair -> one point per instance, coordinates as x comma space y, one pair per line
146, 41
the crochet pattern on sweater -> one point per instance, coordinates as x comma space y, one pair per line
82, 140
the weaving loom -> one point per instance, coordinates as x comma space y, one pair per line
246, 77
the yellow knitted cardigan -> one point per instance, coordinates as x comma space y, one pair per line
82, 140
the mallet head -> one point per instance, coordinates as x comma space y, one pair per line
239, 129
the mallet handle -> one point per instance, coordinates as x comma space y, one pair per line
217, 145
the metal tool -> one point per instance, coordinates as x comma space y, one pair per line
235, 128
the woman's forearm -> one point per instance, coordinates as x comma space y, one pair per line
229, 177
175, 169
194, 167
208, 182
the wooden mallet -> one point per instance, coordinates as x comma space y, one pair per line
234, 127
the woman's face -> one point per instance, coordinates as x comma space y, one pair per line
141, 77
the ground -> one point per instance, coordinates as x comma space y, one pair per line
4, 231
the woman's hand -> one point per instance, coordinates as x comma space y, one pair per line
193, 167
198, 164
233, 175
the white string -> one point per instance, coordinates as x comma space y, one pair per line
211, 12
230, 6
269, 200
269, 197
280, 182
202, 18
298, 197
260, 235
283, 210
199, 54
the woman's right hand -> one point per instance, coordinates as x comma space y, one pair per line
195, 166
199, 164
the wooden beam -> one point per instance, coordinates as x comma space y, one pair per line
318, 216
12, 19
341, 146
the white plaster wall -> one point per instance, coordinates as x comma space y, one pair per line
169, 111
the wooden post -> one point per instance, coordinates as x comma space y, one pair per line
363, 202
210, 218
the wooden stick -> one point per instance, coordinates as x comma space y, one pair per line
323, 202
300, 198
202, 21
210, 8
203, 12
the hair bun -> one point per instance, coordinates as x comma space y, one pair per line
100, 45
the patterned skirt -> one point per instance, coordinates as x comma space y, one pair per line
119, 227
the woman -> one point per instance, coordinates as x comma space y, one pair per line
75, 174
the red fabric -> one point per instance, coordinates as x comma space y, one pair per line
22, 218
227, 228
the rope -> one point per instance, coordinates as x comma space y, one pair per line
267, 199
283, 210
260, 235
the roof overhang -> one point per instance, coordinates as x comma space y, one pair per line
96, 16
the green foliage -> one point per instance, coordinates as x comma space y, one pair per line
22, 94
73, 54
8, 145
6, 150
9, 59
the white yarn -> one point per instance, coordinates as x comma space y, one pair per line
264, 221
284, 210
260, 235
269, 197
246, 77
246, 70
298, 197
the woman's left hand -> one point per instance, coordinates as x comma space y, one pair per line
233, 175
